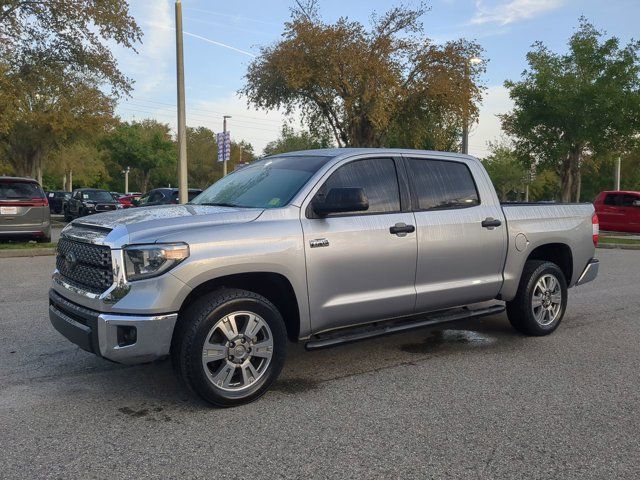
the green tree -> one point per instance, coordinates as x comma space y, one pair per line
505, 169
585, 101
382, 85
146, 147
59, 78
48, 114
73, 33
84, 159
291, 141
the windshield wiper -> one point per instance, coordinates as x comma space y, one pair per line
220, 204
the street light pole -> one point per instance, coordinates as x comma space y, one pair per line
126, 180
182, 120
224, 157
618, 164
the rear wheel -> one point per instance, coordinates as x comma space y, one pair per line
230, 346
540, 303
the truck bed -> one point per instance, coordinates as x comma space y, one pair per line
530, 225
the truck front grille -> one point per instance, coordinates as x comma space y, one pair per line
85, 265
105, 207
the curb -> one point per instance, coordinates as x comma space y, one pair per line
618, 246
31, 252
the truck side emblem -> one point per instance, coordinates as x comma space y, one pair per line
319, 242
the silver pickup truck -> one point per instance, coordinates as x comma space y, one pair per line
322, 247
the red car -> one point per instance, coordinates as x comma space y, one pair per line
619, 211
128, 201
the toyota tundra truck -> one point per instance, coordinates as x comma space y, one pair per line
322, 247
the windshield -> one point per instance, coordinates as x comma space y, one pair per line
16, 190
268, 183
97, 196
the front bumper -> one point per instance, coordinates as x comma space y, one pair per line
109, 335
590, 272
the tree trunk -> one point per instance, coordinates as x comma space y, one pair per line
565, 180
569, 173
145, 181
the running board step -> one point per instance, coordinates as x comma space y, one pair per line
379, 329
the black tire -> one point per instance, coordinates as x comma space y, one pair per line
521, 311
196, 325
44, 239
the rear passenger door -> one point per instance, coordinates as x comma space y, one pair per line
358, 269
460, 261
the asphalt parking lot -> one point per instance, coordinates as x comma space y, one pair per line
477, 402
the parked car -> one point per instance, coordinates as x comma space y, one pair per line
322, 247
619, 211
24, 210
56, 200
165, 196
86, 201
129, 200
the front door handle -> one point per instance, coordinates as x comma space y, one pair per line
491, 222
401, 229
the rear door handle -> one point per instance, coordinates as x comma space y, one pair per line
401, 229
491, 222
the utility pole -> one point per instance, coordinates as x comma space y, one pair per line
618, 165
71, 180
224, 157
182, 116
126, 180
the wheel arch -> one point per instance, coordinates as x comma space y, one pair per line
558, 253
275, 287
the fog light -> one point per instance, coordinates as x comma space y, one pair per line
127, 335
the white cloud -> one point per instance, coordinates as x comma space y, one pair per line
512, 11
496, 101
150, 67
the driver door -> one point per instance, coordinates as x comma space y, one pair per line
358, 271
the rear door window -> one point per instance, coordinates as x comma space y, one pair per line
441, 184
627, 200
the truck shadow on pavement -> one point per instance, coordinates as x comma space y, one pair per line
152, 390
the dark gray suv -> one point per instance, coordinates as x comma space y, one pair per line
24, 210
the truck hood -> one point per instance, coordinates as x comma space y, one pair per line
147, 224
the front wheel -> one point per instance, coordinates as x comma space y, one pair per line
230, 346
540, 303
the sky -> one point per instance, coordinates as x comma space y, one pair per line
221, 39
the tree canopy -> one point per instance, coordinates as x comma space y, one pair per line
69, 33
59, 80
586, 101
383, 85
146, 147
291, 141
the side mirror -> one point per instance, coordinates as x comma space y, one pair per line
341, 200
636, 203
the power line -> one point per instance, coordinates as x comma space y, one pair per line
143, 112
201, 116
141, 99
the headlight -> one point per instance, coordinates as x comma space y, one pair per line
146, 261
